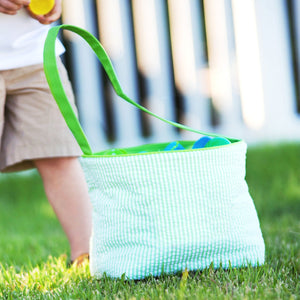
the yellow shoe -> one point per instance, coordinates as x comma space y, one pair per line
78, 261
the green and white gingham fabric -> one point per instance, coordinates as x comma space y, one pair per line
162, 211
165, 212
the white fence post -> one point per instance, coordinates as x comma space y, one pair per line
188, 61
281, 121
248, 64
115, 35
153, 60
222, 66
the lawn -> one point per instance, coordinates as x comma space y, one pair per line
34, 250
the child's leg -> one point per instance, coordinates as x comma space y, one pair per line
67, 193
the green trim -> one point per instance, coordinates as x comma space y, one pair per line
158, 148
60, 97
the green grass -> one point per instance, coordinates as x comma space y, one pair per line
34, 250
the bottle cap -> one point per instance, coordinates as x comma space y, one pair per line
41, 7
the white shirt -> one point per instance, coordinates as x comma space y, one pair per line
22, 41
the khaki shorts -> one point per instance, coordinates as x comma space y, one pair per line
31, 125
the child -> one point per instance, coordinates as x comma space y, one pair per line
32, 130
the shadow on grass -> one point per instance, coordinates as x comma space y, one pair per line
30, 231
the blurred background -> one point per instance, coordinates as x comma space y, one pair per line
225, 66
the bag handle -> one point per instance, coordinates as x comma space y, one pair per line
56, 87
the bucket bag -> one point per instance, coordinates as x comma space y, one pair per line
158, 209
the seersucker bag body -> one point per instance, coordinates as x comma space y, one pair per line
158, 211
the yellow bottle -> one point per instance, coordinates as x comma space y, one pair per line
41, 7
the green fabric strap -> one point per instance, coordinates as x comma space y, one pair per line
58, 92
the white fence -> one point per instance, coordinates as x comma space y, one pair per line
226, 66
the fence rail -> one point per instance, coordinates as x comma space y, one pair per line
225, 66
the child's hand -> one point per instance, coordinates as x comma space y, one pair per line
11, 7
51, 17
